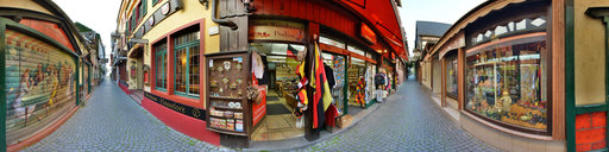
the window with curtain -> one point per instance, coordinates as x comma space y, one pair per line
161, 66
187, 63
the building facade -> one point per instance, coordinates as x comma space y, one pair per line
530, 75
193, 60
41, 70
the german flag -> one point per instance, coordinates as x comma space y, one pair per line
321, 96
292, 52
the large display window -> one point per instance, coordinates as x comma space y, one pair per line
504, 82
336, 63
451, 77
357, 82
187, 64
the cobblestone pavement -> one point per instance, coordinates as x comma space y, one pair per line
111, 121
410, 122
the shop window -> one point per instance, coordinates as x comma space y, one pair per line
187, 63
521, 25
451, 77
337, 67
500, 30
504, 83
356, 81
538, 22
333, 42
356, 50
143, 10
160, 58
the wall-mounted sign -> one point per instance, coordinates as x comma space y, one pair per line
165, 9
213, 30
367, 33
276, 30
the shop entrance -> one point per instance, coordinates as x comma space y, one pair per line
280, 65
336, 65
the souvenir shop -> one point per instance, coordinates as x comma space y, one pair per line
256, 94
497, 72
354, 68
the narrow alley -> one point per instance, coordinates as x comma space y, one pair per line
111, 121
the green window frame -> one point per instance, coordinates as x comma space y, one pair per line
143, 9
186, 64
160, 67
154, 2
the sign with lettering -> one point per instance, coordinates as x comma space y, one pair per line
275, 30
367, 33
178, 107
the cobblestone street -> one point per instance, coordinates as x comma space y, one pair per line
408, 122
112, 122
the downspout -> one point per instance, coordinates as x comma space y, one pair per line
223, 22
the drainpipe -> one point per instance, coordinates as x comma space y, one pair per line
223, 22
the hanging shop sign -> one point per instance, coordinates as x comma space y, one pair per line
275, 30
367, 33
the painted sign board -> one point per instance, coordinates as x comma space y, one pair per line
276, 31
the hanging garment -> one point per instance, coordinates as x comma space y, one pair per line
322, 97
360, 92
257, 65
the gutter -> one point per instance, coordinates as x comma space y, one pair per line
223, 22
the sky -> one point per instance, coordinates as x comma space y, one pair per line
444, 11
100, 15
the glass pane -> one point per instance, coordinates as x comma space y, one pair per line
503, 84
451, 78
180, 70
161, 65
356, 50
193, 70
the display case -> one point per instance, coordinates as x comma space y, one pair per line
504, 84
228, 109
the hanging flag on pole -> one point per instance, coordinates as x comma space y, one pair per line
321, 96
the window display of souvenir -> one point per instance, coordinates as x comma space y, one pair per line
503, 83
228, 77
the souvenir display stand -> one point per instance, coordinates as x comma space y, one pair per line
228, 76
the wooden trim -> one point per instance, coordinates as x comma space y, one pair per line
333, 49
341, 51
3, 99
178, 99
504, 129
443, 86
558, 68
461, 77
517, 37
202, 64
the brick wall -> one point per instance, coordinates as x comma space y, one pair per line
590, 131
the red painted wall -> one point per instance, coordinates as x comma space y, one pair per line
590, 131
49, 29
380, 15
192, 127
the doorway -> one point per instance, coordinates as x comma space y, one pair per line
280, 65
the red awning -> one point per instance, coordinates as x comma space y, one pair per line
382, 15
